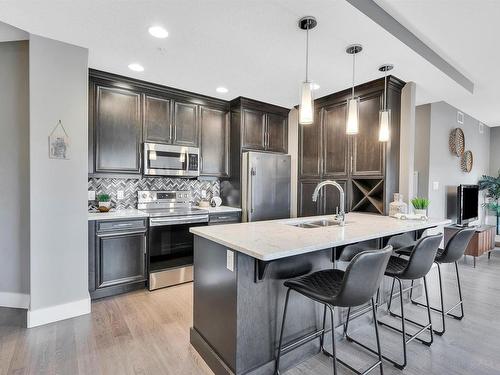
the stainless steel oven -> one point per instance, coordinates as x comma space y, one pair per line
170, 249
171, 160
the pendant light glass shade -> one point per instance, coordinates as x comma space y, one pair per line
385, 120
306, 107
352, 116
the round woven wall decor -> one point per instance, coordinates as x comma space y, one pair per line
467, 161
457, 142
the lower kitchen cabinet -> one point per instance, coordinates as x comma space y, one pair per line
328, 198
117, 257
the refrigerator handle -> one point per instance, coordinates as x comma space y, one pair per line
252, 173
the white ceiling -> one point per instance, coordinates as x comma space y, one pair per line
254, 48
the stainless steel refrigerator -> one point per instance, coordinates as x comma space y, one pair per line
265, 183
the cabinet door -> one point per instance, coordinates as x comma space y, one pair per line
120, 258
277, 132
330, 198
118, 130
214, 142
185, 125
335, 141
368, 152
306, 206
157, 121
254, 129
309, 148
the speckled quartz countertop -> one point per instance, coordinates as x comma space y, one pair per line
270, 240
131, 213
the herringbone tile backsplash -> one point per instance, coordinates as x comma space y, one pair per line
131, 186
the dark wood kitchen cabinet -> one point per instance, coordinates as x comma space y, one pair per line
263, 127
277, 132
253, 125
214, 142
117, 124
185, 124
369, 169
117, 256
157, 119
125, 112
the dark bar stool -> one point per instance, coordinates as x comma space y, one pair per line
416, 267
335, 288
453, 251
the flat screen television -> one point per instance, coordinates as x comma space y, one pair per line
467, 204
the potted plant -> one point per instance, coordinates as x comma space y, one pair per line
420, 205
104, 202
492, 186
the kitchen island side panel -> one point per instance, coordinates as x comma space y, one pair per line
214, 300
260, 309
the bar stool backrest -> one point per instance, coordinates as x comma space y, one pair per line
401, 240
363, 277
456, 246
422, 257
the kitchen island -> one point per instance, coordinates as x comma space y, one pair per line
239, 271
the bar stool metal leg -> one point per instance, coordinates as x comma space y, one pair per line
277, 368
441, 310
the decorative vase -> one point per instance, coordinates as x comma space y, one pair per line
398, 206
104, 206
421, 212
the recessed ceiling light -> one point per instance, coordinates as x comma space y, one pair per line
136, 67
315, 86
221, 90
158, 32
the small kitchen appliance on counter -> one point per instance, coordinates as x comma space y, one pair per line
170, 242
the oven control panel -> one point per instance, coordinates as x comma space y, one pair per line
171, 196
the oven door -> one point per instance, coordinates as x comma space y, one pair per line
171, 249
170, 160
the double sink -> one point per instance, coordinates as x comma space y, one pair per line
316, 223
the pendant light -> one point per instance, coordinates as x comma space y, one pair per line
306, 107
384, 114
353, 103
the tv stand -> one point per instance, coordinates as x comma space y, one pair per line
482, 242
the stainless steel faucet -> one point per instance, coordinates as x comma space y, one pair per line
340, 213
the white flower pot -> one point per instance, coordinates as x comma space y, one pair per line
420, 212
104, 206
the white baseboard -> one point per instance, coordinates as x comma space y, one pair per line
14, 300
59, 312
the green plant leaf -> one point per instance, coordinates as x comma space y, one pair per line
420, 203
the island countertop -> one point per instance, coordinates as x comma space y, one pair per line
276, 239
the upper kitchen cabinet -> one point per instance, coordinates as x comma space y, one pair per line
125, 112
214, 142
277, 132
264, 127
157, 119
253, 129
185, 124
117, 124
335, 141
309, 148
367, 151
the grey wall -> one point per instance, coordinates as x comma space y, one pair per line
443, 166
58, 193
422, 153
495, 151
14, 174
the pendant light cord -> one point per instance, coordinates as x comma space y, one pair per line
307, 52
385, 89
353, 72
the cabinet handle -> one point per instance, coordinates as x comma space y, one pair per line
201, 163
145, 244
351, 164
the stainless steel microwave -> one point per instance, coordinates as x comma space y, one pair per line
171, 160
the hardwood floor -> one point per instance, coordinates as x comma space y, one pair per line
148, 333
